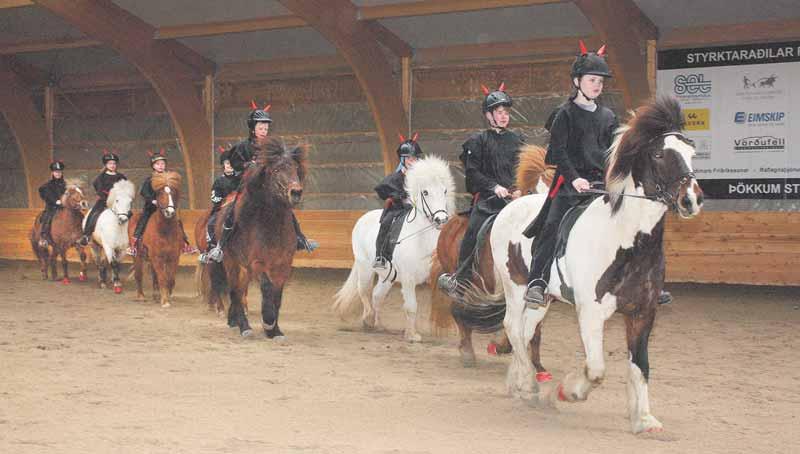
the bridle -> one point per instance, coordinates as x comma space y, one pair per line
429, 213
169, 205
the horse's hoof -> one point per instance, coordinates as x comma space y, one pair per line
165, 305
491, 349
648, 424
82, 277
280, 339
468, 360
412, 338
66, 281
117, 289
247, 333
543, 377
102, 285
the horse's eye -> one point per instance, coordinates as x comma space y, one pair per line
425, 192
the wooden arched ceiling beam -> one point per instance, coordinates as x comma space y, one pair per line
168, 65
337, 21
28, 127
626, 30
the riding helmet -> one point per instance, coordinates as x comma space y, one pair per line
56, 165
590, 63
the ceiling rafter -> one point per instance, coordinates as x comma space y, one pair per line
430, 7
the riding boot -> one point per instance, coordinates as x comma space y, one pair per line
380, 262
47, 221
454, 284
216, 253
303, 243
91, 221
665, 297
135, 247
544, 248
187, 246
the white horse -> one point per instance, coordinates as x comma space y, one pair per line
431, 189
111, 233
614, 259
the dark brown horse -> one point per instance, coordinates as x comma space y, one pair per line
65, 231
162, 239
532, 175
264, 240
201, 274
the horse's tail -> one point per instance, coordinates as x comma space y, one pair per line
441, 320
482, 311
354, 289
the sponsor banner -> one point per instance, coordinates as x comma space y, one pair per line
741, 106
761, 188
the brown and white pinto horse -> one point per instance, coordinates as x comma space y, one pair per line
65, 231
532, 177
162, 239
264, 239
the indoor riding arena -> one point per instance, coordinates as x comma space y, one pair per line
341, 150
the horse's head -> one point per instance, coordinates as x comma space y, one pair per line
279, 174
653, 154
167, 187
120, 199
73, 197
431, 188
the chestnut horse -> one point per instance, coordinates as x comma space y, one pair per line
65, 231
201, 274
532, 177
264, 239
162, 239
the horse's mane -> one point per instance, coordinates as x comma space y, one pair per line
122, 188
75, 183
428, 170
165, 179
532, 167
649, 122
276, 148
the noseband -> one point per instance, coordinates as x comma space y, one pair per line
663, 194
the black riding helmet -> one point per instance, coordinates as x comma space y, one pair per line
496, 98
155, 157
109, 156
593, 63
56, 165
409, 147
258, 115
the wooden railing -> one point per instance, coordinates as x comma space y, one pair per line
722, 247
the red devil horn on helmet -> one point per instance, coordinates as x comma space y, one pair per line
105, 151
485, 89
267, 107
602, 50
150, 153
502, 87
220, 149
253, 105
401, 137
583, 47
162, 152
416, 135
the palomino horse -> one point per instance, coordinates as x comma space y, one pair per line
65, 231
432, 194
532, 177
110, 237
201, 274
162, 239
264, 239
613, 259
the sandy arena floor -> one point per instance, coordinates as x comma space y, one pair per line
86, 371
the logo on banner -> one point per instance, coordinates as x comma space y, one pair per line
692, 85
697, 119
759, 144
762, 82
760, 118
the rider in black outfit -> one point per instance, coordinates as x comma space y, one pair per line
224, 185
102, 185
51, 193
490, 160
392, 191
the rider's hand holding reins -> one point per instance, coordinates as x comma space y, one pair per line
581, 184
500, 192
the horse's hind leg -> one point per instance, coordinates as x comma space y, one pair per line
465, 348
101, 270
82, 255
379, 293
53, 261
410, 308
637, 330
138, 272
270, 307
541, 373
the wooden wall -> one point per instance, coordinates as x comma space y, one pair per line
716, 247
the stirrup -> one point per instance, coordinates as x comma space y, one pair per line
212, 255
306, 244
380, 263
84, 240
131, 251
534, 295
448, 283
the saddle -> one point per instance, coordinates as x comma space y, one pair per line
564, 229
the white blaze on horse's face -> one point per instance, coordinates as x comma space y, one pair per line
169, 211
690, 196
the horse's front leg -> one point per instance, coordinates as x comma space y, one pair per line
271, 296
52, 261
520, 324
637, 330
82, 255
138, 272
409, 291
591, 321
115, 275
